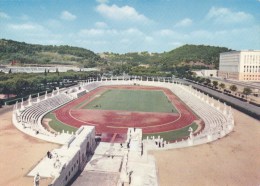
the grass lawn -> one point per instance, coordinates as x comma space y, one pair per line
132, 100
175, 134
57, 125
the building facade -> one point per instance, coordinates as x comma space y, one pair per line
206, 73
240, 65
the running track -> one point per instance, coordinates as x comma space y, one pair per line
110, 122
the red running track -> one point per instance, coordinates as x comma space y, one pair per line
117, 122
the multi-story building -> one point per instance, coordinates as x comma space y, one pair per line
240, 65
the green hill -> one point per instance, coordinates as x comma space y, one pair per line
25, 53
201, 54
196, 56
192, 55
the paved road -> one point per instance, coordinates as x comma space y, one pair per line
245, 105
251, 85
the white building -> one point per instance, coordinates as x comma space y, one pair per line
240, 65
206, 73
33, 69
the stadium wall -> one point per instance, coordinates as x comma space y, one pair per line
78, 149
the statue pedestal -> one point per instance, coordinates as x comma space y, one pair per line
209, 137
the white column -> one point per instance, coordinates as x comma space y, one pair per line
29, 100
38, 98
22, 106
46, 95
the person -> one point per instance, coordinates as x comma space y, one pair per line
130, 176
36, 180
49, 155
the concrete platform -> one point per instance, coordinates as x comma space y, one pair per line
104, 163
89, 178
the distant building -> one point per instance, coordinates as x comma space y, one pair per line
206, 73
6, 96
240, 65
34, 69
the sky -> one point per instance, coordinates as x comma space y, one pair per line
122, 26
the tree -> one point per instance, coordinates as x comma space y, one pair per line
202, 80
247, 91
21, 86
215, 83
8, 88
208, 81
222, 85
197, 79
233, 88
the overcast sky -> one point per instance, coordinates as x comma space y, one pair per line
132, 25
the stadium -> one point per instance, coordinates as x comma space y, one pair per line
122, 118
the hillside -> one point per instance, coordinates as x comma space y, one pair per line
24, 53
133, 57
190, 54
196, 55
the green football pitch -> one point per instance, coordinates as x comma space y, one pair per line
132, 100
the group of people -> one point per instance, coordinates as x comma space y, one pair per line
159, 143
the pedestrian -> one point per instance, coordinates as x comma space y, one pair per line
36, 180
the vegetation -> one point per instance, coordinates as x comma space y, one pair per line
23, 84
132, 100
175, 134
208, 55
247, 91
177, 62
215, 83
22, 53
208, 81
57, 125
183, 59
222, 85
233, 88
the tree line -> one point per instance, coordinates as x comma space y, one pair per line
23, 84
46, 54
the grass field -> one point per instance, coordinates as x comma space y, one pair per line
132, 100
57, 125
175, 134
